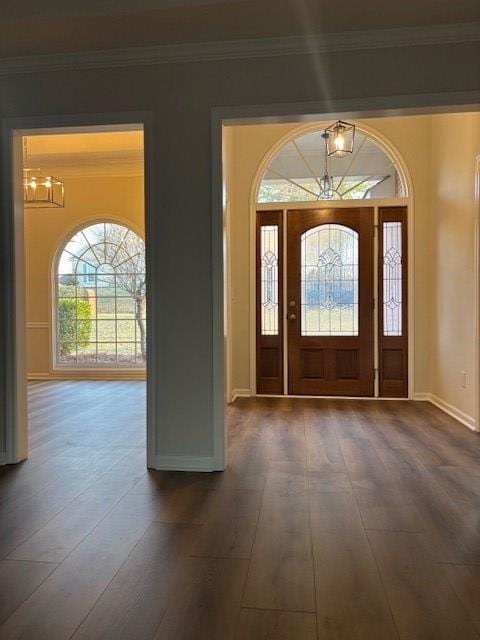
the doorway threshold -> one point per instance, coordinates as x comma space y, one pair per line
288, 395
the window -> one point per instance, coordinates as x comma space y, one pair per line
329, 281
294, 173
101, 298
392, 278
269, 279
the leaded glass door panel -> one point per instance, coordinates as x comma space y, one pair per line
269, 302
392, 298
330, 302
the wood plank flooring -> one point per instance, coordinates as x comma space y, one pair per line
336, 520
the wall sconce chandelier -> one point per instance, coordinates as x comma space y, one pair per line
40, 191
339, 138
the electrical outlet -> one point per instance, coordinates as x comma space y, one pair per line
463, 379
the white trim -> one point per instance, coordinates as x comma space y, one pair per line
241, 393
16, 419
450, 409
284, 320
246, 48
332, 204
183, 463
90, 374
421, 396
219, 436
227, 217
376, 342
456, 413
476, 290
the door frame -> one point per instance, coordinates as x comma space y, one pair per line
476, 284
375, 204
12, 243
342, 204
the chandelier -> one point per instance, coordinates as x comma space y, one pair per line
40, 191
326, 183
339, 138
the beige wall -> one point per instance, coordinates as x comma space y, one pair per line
251, 144
455, 146
46, 230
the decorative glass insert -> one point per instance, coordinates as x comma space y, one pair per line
101, 303
294, 173
269, 280
329, 281
392, 279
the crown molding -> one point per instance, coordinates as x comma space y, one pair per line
236, 49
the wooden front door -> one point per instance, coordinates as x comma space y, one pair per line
330, 302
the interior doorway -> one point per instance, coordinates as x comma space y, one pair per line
81, 296
359, 341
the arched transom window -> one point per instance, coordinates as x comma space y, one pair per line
100, 302
295, 172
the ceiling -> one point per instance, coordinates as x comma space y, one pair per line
54, 26
307, 156
86, 154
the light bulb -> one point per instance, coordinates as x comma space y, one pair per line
33, 183
340, 139
48, 182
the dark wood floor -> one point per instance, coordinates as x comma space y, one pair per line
336, 520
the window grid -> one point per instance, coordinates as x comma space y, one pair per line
94, 328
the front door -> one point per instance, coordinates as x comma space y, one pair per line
330, 302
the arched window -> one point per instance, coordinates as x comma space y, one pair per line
295, 172
100, 301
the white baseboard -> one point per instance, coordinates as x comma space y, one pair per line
183, 463
422, 397
241, 393
456, 413
446, 407
88, 375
